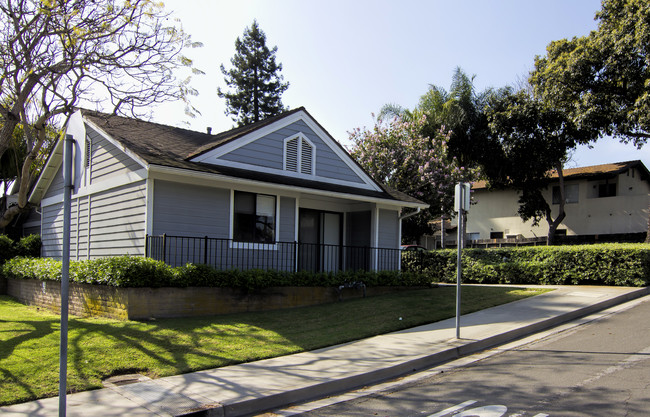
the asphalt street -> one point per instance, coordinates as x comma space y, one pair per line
598, 368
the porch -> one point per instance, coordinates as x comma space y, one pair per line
226, 254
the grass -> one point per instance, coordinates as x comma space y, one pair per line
99, 348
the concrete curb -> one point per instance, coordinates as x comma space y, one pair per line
460, 349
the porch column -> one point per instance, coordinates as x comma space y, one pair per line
374, 237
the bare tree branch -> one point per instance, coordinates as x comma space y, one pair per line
55, 53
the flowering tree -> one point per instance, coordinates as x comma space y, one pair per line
396, 153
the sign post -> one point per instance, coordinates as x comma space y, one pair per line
461, 205
65, 271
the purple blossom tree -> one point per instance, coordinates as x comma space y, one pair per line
396, 153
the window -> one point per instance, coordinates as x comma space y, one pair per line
496, 235
607, 190
254, 218
570, 193
299, 155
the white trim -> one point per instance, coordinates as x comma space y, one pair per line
148, 226
78, 229
297, 222
300, 137
109, 184
291, 174
88, 228
231, 226
375, 237
253, 245
258, 245
52, 167
212, 156
228, 182
276, 232
285, 153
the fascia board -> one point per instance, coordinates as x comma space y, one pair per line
47, 174
212, 157
158, 172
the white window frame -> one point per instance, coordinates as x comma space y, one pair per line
254, 245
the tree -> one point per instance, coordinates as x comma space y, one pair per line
460, 112
602, 80
56, 53
255, 78
534, 139
396, 153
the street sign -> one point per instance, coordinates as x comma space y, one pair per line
462, 196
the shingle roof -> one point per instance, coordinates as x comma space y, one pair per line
169, 146
590, 172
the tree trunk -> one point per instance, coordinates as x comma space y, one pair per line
25, 180
554, 223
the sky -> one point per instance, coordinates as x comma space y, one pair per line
345, 59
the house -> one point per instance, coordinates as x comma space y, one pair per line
603, 202
280, 194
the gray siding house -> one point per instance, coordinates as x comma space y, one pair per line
281, 194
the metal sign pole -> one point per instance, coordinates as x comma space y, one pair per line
459, 270
65, 272
461, 206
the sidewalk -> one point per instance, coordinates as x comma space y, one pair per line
254, 387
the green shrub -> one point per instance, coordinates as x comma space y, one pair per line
29, 246
7, 250
127, 271
606, 264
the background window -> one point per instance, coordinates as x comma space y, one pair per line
607, 190
254, 218
570, 193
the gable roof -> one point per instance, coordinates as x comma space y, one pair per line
173, 147
593, 172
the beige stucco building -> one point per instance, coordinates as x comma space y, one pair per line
610, 199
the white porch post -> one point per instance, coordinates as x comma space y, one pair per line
375, 237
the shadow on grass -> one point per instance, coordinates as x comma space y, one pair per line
102, 348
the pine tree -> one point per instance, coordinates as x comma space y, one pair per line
255, 79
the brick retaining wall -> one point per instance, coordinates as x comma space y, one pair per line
145, 303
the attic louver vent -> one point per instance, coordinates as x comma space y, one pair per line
299, 155
306, 158
88, 152
291, 157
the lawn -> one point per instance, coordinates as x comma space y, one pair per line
99, 348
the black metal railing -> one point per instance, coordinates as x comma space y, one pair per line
283, 256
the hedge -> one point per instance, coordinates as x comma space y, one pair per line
127, 271
604, 264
